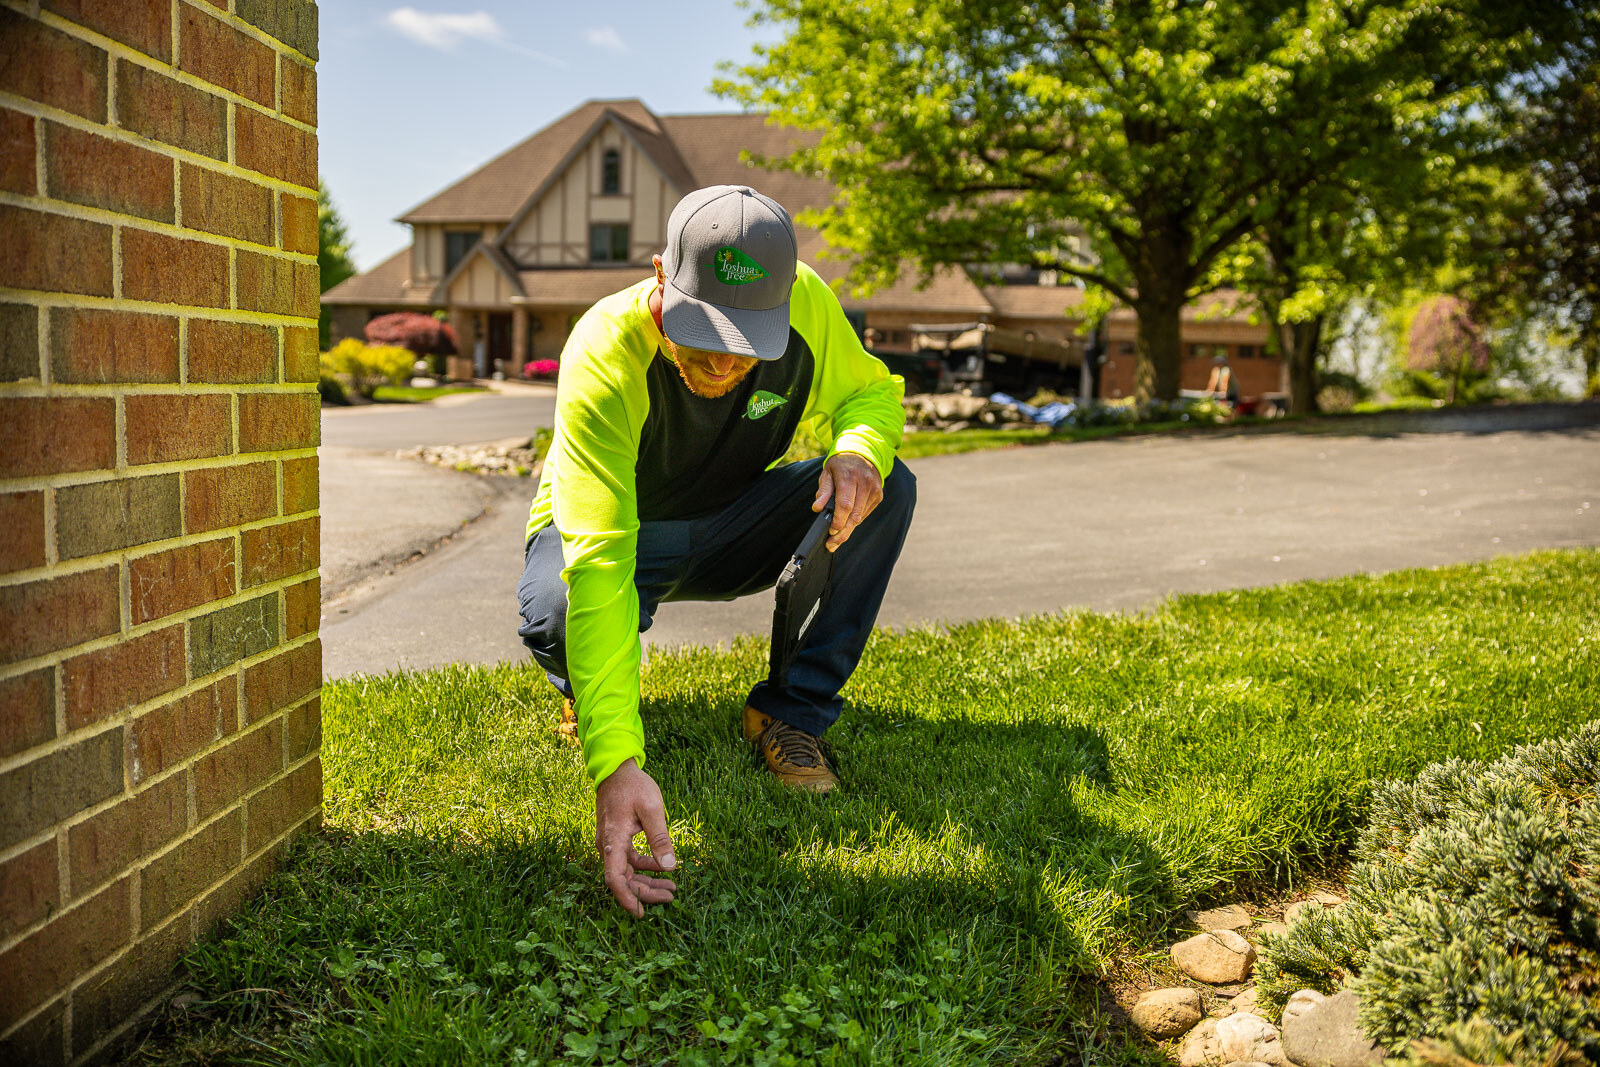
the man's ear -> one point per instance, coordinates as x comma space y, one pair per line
661, 275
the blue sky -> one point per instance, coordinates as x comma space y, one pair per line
412, 98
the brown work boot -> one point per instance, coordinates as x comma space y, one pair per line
792, 754
568, 726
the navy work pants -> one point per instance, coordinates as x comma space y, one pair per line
737, 551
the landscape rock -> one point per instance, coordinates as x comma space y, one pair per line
1248, 1063
1166, 1012
1251, 1038
515, 458
1326, 1035
1201, 1046
1228, 917
1246, 1001
1328, 900
1299, 1004
1215, 956
1271, 928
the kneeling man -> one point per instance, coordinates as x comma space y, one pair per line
677, 398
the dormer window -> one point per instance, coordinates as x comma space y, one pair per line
611, 173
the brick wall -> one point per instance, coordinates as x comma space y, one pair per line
159, 661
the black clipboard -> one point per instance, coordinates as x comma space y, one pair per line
801, 593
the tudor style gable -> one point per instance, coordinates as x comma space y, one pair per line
605, 205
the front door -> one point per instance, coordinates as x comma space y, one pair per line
499, 343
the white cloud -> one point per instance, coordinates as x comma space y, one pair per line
445, 31
608, 38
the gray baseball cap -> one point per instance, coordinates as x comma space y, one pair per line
730, 263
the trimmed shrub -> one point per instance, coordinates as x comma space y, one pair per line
430, 338
542, 368
1473, 922
331, 390
366, 367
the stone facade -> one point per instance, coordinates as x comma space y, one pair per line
159, 660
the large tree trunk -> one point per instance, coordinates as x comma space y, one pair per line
1160, 345
1302, 343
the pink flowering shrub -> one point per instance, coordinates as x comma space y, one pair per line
541, 368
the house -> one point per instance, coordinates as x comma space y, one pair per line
515, 251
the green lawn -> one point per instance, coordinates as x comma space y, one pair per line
406, 394
1023, 804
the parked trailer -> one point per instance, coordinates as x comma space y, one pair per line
980, 357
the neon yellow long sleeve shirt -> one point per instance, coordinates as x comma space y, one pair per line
631, 442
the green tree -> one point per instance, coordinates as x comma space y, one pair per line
333, 256
992, 130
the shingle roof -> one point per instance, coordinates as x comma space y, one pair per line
495, 191
383, 284
1058, 301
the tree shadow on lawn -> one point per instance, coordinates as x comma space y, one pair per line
950, 900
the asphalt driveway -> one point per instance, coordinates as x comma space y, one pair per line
1109, 525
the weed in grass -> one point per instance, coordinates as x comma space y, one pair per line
1023, 803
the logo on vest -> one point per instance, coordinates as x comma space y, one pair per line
733, 267
762, 403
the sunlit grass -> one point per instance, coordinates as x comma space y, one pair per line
1022, 802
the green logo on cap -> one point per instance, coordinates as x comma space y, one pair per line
762, 403
733, 267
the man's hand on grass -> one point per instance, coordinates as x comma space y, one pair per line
856, 488
627, 802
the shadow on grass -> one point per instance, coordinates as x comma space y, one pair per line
927, 911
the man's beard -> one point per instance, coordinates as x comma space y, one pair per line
708, 390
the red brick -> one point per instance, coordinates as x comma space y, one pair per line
129, 672
214, 51
274, 684
298, 90
271, 422
103, 845
171, 270
274, 552
30, 887
237, 768
94, 345
174, 879
53, 435
278, 286
33, 969
218, 497
152, 104
273, 147
300, 355
56, 613
302, 728
299, 223
22, 519
283, 804
54, 253
302, 608
294, 22
144, 25
27, 710
165, 737
41, 63
85, 168
166, 428
108, 998
180, 578
232, 352
299, 485
19, 343
119, 513
49, 789
224, 901
221, 203
41, 1040
17, 153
